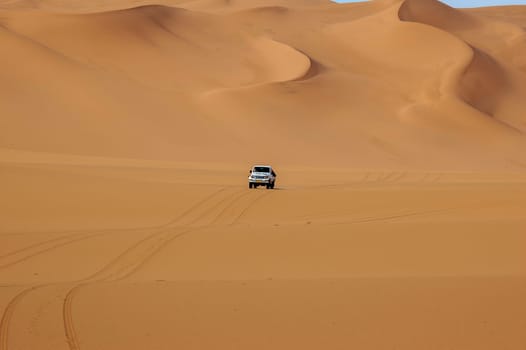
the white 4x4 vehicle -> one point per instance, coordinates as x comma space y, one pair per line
262, 175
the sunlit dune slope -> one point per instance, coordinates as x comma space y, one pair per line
377, 84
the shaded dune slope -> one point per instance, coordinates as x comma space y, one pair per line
512, 14
485, 82
436, 14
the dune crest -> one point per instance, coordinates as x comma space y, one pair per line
229, 6
274, 62
483, 83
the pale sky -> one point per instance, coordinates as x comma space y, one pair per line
471, 3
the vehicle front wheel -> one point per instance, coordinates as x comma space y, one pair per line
250, 185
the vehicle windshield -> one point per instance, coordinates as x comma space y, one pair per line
261, 169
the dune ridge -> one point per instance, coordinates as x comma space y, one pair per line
484, 83
279, 63
482, 79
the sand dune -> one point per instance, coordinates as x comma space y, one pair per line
127, 129
486, 81
166, 57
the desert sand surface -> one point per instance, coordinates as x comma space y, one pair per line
127, 129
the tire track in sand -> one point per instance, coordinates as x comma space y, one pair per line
222, 215
18, 256
143, 251
247, 208
58, 242
391, 217
5, 322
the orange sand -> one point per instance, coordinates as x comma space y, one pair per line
127, 129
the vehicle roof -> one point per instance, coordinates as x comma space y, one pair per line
259, 165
